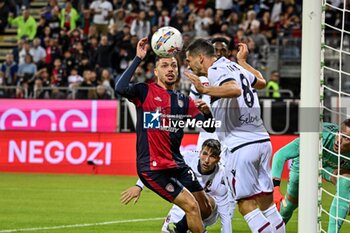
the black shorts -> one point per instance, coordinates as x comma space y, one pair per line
170, 182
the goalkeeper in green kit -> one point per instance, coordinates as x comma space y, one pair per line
333, 142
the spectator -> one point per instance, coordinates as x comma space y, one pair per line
102, 94
153, 18
140, 27
69, 17
233, 21
84, 64
74, 79
225, 5
164, 19
260, 40
202, 24
250, 22
123, 36
58, 74
68, 61
85, 93
24, 51
4, 13
149, 74
178, 20
106, 79
52, 51
38, 52
277, 9
267, 27
102, 11
26, 72
104, 53
78, 52
9, 70
43, 76
119, 19
56, 93
122, 61
39, 92
93, 32
218, 21
48, 10
26, 24
181, 6
41, 25
272, 87
16, 50
27, 69
145, 5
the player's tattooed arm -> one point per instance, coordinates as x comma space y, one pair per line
242, 61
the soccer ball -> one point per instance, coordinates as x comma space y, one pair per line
166, 42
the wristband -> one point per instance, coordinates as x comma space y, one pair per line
276, 182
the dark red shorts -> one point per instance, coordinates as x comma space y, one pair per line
170, 182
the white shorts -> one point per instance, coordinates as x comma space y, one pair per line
176, 214
248, 169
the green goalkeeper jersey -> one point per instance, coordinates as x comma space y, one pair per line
291, 151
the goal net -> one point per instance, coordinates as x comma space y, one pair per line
335, 108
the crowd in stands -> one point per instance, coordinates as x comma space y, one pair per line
79, 49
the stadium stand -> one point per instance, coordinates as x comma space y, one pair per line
71, 49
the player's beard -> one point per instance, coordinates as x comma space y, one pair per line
170, 83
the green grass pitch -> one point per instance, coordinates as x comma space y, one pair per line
88, 203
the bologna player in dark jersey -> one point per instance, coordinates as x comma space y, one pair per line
161, 114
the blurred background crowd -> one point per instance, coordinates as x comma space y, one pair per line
78, 49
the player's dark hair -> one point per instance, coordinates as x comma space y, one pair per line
346, 123
201, 46
220, 39
157, 58
214, 145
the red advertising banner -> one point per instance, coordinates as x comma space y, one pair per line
82, 153
58, 115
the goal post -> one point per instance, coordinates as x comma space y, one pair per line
309, 116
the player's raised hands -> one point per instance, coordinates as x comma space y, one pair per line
129, 194
195, 81
242, 52
141, 49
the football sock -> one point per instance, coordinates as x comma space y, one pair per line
274, 217
257, 222
181, 226
287, 212
339, 207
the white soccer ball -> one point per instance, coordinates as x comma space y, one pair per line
167, 42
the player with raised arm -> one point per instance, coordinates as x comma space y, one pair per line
235, 103
221, 50
211, 176
160, 110
332, 143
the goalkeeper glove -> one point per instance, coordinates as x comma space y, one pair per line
277, 195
